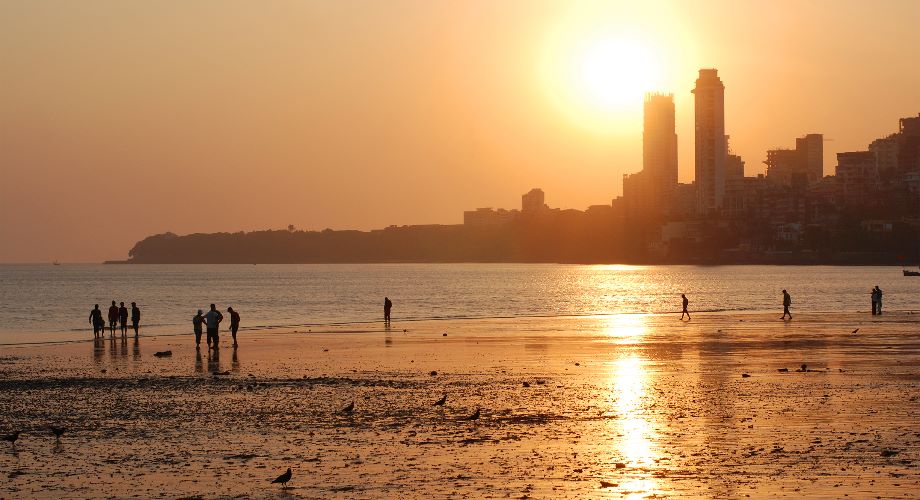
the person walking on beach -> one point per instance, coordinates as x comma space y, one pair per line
787, 302
387, 305
685, 301
212, 321
95, 318
123, 319
234, 323
878, 299
197, 321
113, 318
135, 318
874, 302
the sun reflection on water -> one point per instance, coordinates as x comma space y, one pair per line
635, 444
626, 328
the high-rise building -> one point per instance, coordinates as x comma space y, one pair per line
659, 142
800, 166
885, 150
811, 155
857, 177
532, 201
711, 147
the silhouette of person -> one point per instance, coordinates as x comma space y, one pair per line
212, 322
878, 299
95, 318
123, 319
135, 318
387, 305
197, 321
113, 318
234, 323
685, 301
787, 302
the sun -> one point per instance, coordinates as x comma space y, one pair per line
599, 58
615, 73
601, 80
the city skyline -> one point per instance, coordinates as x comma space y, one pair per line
361, 120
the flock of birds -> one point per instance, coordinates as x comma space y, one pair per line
349, 409
284, 478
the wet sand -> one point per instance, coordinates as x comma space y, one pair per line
571, 407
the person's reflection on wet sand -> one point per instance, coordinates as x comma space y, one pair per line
98, 349
235, 362
387, 339
113, 348
199, 364
124, 346
214, 360
137, 349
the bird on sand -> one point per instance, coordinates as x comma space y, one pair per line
441, 401
283, 478
11, 438
474, 416
58, 431
348, 410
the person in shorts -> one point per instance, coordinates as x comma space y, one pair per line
234, 323
197, 321
113, 318
212, 322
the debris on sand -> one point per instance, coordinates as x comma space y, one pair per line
619, 465
443, 334
803, 369
163, 354
889, 453
526, 384
433, 373
783, 370
745, 375
607, 484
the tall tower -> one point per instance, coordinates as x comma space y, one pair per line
659, 145
711, 147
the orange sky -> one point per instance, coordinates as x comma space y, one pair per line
123, 119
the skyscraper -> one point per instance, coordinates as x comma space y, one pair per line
659, 145
711, 147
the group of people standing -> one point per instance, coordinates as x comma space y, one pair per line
118, 315
211, 321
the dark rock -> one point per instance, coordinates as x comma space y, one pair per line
745, 375
783, 370
433, 373
607, 484
163, 354
526, 384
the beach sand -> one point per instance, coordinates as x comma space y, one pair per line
608, 406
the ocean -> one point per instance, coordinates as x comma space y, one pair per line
46, 303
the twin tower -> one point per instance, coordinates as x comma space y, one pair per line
659, 142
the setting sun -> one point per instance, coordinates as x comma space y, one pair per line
616, 72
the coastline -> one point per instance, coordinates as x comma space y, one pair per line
645, 403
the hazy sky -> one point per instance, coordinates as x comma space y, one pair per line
120, 119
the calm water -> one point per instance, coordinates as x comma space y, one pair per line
47, 302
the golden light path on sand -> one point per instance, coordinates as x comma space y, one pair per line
635, 446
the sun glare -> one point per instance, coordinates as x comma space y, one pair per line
600, 59
616, 73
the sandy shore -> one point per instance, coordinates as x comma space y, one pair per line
614, 406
